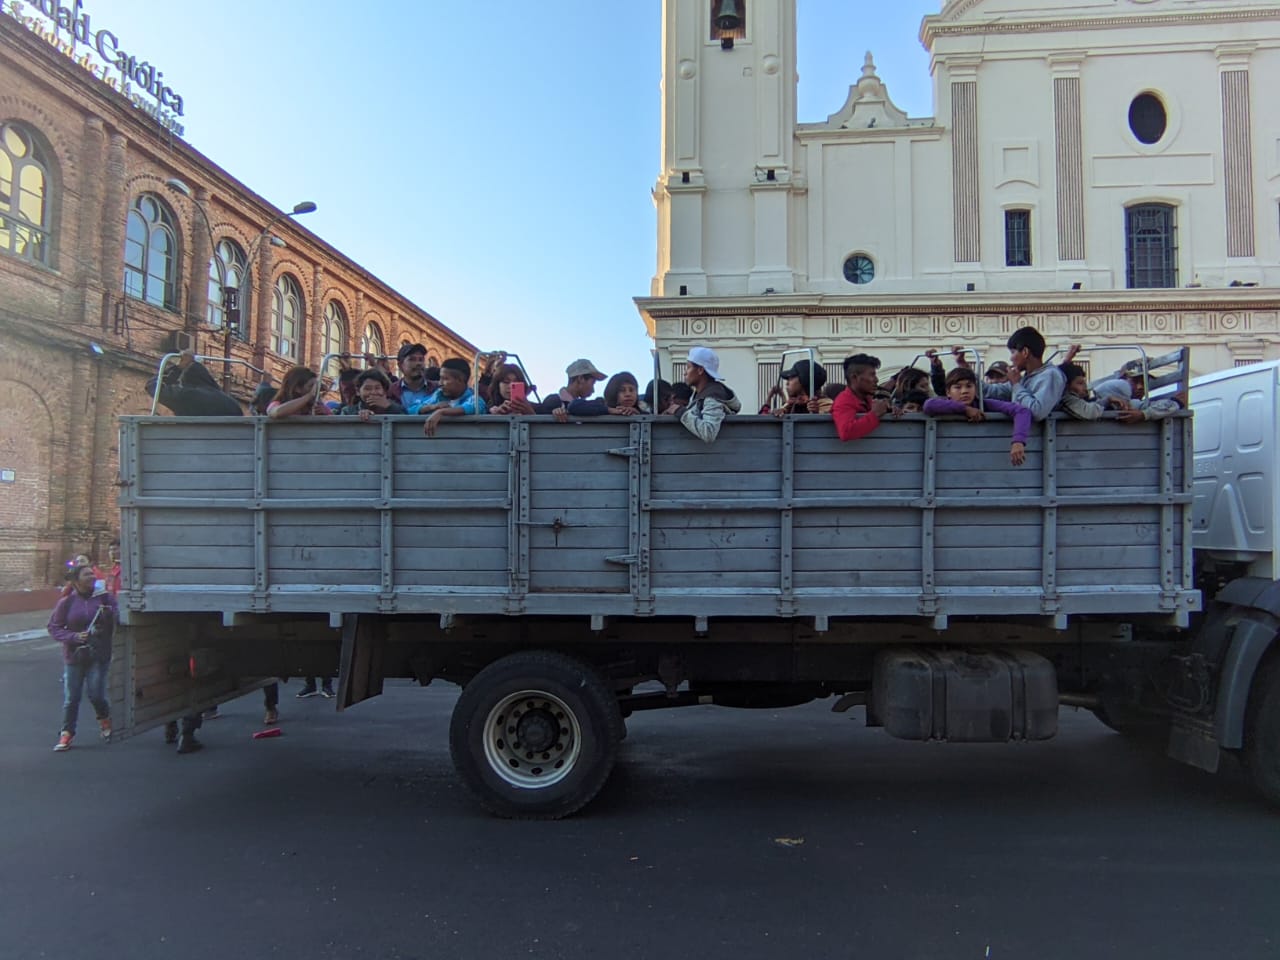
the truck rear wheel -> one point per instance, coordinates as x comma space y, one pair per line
535, 735
1262, 730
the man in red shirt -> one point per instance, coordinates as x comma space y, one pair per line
856, 411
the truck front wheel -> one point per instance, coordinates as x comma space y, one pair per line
535, 735
1262, 730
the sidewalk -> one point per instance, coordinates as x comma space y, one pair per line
23, 626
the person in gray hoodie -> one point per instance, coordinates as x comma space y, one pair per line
712, 400
1032, 383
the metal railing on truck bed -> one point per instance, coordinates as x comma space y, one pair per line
626, 517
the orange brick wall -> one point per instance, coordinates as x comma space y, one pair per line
58, 402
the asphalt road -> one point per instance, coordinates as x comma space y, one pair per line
722, 834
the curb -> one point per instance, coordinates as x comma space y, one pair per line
40, 634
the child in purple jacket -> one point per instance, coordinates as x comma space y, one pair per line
961, 400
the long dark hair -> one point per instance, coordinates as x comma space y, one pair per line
294, 380
499, 377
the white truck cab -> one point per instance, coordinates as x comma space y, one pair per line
1235, 483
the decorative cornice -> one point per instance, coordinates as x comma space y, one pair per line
821, 305
933, 27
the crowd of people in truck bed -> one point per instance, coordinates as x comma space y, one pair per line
1025, 389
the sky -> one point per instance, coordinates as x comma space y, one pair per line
490, 160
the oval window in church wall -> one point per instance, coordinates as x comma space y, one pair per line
1147, 118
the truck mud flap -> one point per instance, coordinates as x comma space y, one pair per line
360, 666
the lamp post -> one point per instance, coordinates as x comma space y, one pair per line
231, 295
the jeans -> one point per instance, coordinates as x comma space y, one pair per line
92, 682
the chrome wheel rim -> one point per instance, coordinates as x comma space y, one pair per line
532, 739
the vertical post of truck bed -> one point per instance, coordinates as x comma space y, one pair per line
1051, 604
1168, 489
928, 519
387, 581
259, 600
1187, 426
131, 559
518, 516
643, 598
786, 594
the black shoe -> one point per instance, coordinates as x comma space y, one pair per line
307, 691
187, 743
171, 732
326, 692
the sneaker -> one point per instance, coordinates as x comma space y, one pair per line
211, 715
171, 732
104, 726
326, 692
307, 691
64, 742
272, 716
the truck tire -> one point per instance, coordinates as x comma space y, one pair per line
1261, 753
534, 735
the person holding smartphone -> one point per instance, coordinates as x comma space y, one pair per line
509, 392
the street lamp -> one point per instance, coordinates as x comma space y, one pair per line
231, 295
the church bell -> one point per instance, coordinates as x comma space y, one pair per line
728, 15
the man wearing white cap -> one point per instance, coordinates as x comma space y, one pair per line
712, 401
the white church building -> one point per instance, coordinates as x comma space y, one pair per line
1105, 170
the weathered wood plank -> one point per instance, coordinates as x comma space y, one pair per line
477, 558
855, 521
884, 559
714, 579
319, 576
454, 486
171, 517
497, 580
729, 559
990, 578
338, 558
1112, 557
604, 539
335, 534
450, 462
907, 580
715, 538
349, 448
183, 484
445, 537
857, 477
195, 540
571, 480
981, 482
872, 536
336, 483
542, 580
207, 575
558, 501
717, 484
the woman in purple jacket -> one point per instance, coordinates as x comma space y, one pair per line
84, 619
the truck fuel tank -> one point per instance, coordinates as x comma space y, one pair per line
964, 696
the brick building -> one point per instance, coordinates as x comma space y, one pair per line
106, 226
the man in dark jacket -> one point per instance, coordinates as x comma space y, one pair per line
189, 390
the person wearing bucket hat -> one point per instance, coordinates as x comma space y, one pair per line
712, 399
581, 378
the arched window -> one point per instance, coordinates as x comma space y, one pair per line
1151, 247
371, 340
228, 267
24, 195
335, 334
286, 317
151, 253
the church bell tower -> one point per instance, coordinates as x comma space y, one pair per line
724, 194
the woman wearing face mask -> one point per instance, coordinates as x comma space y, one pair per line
83, 622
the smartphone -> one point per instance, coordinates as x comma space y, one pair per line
517, 390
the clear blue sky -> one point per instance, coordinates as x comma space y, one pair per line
490, 160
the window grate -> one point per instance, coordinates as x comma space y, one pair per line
1151, 248
1017, 238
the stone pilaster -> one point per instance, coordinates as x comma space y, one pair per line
1237, 151
1068, 159
965, 191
